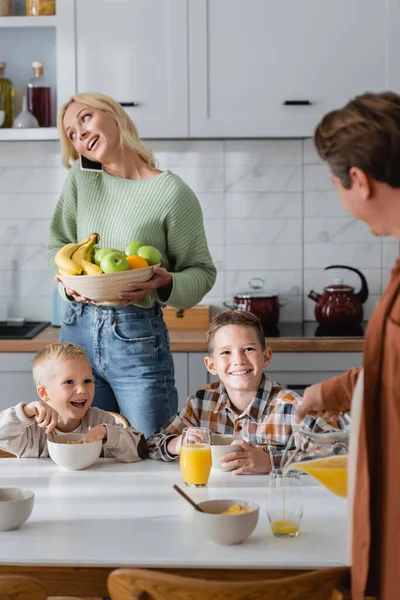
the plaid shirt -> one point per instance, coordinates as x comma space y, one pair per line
267, 422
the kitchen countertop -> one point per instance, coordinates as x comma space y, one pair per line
195, 341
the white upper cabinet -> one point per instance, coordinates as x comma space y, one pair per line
393, 45
136, 52
272, 68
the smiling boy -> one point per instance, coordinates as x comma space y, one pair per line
244, 402
64, 382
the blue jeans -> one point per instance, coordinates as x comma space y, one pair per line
132, 364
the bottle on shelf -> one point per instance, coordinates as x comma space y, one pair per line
39, 96
6, 9
25, 119
37, 8
6, 99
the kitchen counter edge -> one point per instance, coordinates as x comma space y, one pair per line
195, 341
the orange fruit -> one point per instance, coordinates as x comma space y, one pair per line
136, 262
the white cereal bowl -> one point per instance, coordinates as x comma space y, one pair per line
73, 457
221, 444
15, 507
226, 530
105, 287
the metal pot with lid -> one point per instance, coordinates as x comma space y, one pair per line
265, 305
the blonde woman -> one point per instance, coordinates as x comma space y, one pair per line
128, 199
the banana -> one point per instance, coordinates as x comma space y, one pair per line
64, 260
82, 256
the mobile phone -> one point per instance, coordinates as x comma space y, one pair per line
90, 165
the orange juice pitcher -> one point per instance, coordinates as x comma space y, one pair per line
323, 456
195, 459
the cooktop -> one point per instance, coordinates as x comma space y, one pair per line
311, 329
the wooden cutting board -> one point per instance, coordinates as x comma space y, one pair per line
196, 318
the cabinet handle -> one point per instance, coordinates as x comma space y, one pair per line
129, 103
297, 103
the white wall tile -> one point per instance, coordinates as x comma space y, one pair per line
286, 283
359, 255
263, 205
215, 231
390, 253
311, 156
262, 257
292, 312
26, 283
30, 154
218, 256
202, 179
173, 154
263, 231
339, 229
33, 309
323, 204
27, 206
263, 179
317, 177
24, 232
212, 205
24, 258
263, 153
32, 180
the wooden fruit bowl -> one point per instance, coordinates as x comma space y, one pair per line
105, 288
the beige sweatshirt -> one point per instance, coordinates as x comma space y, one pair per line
23, 437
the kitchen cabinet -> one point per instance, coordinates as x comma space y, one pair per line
16, 382
136, 52
393, 45
263, 68
45, 38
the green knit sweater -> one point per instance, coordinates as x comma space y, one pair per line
161, 211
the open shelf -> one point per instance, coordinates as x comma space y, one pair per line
28, 21
40, 133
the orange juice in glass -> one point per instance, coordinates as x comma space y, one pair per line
195, 460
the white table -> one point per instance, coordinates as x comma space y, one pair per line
116, 514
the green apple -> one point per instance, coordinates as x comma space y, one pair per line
113, 262
152, 255
132, 248
101, 252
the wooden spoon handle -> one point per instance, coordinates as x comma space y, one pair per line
196, 506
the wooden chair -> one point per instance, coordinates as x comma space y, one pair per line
120, 419
141, 584
21, 587
4, 454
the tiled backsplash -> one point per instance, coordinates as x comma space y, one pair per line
270, 211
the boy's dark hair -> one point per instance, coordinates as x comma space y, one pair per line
234, 317
365, 133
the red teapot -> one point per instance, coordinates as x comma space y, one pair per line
339, 306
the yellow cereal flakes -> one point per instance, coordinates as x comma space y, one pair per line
236, 509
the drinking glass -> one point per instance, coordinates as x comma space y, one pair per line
195, 460
285, 503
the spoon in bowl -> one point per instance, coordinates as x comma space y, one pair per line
196, 506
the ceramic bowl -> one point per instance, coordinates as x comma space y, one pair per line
222, 444
73, 456
15, 507
225, 530
105, 288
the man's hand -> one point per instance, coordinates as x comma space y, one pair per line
252, 460
313, 405
46, 416
161, 278
98, 433
174, 445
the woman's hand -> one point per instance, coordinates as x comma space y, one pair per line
72, 293
161, 279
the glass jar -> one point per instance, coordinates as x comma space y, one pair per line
6, 8
36, 8
6, 99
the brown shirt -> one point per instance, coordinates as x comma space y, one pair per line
376, 513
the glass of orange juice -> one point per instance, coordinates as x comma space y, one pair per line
285, 503
195, 460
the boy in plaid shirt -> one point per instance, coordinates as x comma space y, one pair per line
244, 402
